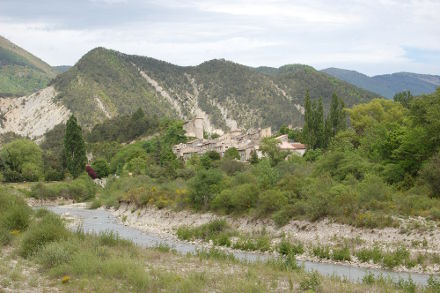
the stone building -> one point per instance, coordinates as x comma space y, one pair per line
244, 141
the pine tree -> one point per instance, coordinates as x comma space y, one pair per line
337, 115
74, 148
319, 125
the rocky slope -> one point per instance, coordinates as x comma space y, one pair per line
105, 83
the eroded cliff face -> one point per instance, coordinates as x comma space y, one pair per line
32, 115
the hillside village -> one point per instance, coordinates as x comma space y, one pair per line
246, 142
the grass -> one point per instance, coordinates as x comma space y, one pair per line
75, 262
80, 189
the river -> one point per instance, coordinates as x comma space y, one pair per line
96, 221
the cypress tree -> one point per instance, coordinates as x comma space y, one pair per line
74, 148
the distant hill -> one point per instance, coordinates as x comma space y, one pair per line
106, 83
61, 68
388, 84
21, 73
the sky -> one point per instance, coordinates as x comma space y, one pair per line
369, 36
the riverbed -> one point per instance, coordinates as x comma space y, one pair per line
100, 220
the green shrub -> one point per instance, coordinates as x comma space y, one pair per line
110, 238
433, 284
311, 282
271, 201
366, 254
231, 167
285, 248
16, 217
101, 167
56, 253
341, 254
238, 199
204, 187
5, 236
287, 263
283, 216
322, 252
396, 258
21, 160
216, 230
14, 212
80, 189
49, 229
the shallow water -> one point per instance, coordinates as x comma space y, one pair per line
95, 221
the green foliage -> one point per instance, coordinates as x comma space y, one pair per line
205, 186
271, 200
312, 282
430, 173
49, 228
53, 153
79, 189
269, 147
285, 248
232, 153
20, 72
341, 254
21, 160
14, 212
403, 98
124, 128
74, 148
217, 230
374, 254
125, 155
101, 167
237, 199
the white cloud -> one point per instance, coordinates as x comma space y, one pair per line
368, 36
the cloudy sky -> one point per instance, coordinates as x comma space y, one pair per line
370, 36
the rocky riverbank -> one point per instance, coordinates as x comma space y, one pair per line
417, 235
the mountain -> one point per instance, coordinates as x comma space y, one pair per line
106, 83
61, 68
388, 85
21, 72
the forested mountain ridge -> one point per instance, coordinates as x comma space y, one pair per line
388, 85
106, 83
21, 72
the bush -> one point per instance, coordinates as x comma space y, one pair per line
239, 198
204, 186
311, 282
396, 258
5, 236
285, 248
341, 254
80, 189
16, 217
271, 201
21, 160
56, 253
216, 230
14, 212
231, 167
49, 229
322, 252
374, 254
431, 174
101, 167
